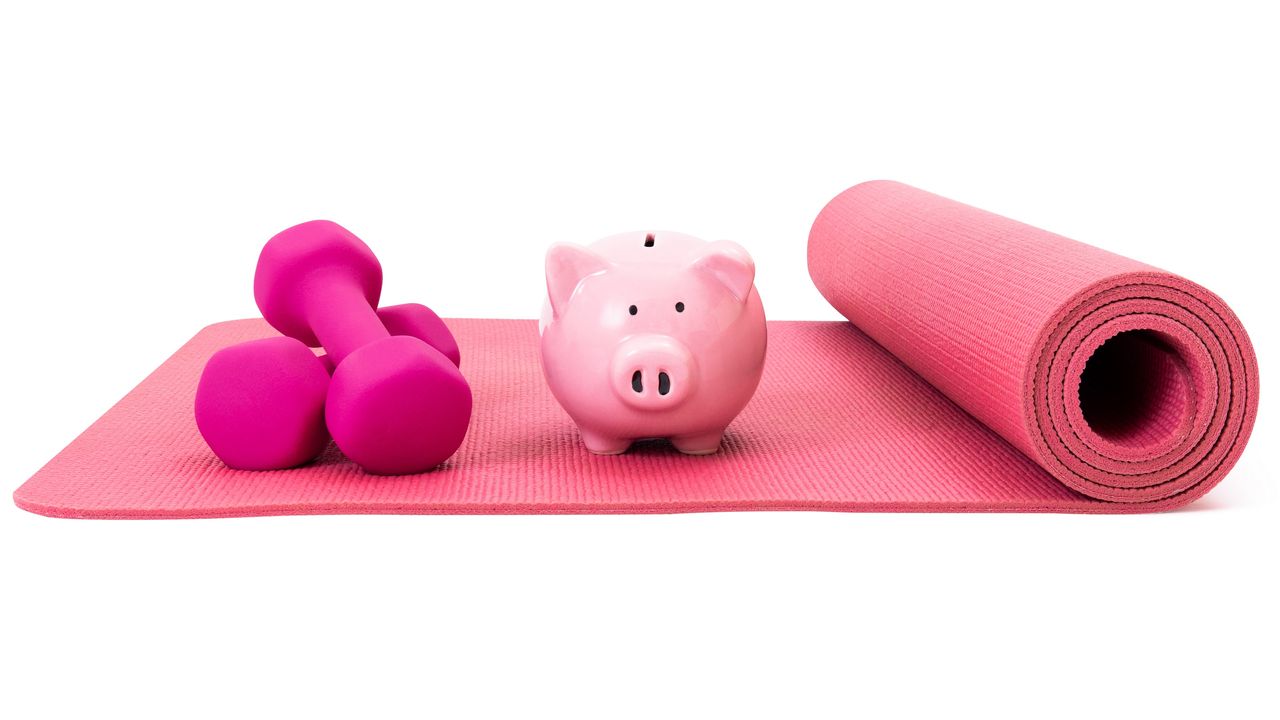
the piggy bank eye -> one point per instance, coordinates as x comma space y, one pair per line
679, 307
633, 310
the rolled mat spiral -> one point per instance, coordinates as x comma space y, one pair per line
1125, 382
987, 366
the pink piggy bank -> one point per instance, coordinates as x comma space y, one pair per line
652, 335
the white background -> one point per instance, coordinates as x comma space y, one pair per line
147, 151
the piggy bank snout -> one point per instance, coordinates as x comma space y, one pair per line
653, 372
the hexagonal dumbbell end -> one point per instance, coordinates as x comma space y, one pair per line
319, 283
260, 404
421, 322
398, 406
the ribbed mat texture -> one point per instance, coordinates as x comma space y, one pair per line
989, 366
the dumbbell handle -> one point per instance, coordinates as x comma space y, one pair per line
416, 321
341, 316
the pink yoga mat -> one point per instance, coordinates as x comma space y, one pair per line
988, 366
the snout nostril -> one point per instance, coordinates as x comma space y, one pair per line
664, 383
635, 382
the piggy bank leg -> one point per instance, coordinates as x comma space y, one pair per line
704, 444
602, 444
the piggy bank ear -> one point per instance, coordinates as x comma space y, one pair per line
567, 265
728, 264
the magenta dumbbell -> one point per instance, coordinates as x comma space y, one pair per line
260, 404
395, 404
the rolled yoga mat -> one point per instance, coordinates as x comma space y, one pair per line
987, 366
1125, 382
